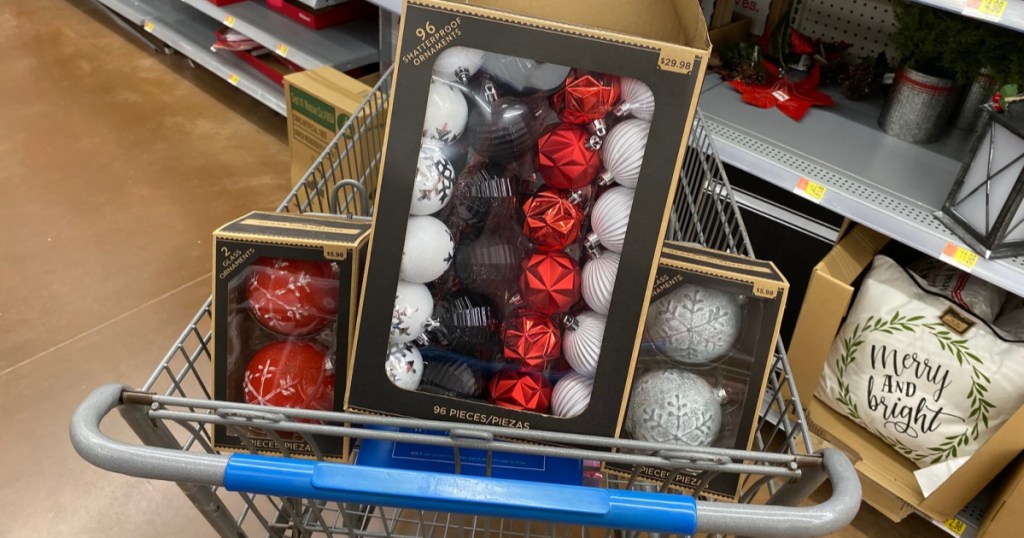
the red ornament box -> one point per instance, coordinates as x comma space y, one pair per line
495, 191
325, 17
285, 294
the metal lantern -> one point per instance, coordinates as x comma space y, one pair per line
985, 205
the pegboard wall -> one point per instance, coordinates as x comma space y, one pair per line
866, 24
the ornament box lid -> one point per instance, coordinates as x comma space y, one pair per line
334, 234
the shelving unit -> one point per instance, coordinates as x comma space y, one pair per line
1012, 15
884, 183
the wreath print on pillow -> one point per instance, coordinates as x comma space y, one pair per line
929, 379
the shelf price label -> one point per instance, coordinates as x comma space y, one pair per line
959, 257
229, 21
990, 10
233, 79
148, 26
282, 50
810, 190
955, 525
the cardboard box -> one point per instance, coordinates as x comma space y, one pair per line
737, 367
286, 289
663, 43
717, 12
1003, 516
763, 14
319, 103
890, 485
733, 32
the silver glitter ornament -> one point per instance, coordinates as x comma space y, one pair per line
404, 366
674, 406
694, 324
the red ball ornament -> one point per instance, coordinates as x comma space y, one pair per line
549, 282
292, 297
586, 97
552, 221
291, 373
567, 157
526, 390
532, 340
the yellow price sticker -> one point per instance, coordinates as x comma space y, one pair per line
282, 49
955, 525
986, 9
148, 26
233, 79
229, 21
810, 190
959, 256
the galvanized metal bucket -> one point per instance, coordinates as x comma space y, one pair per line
919, 106
971, 116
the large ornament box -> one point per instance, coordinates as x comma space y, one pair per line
709, 342
524, 171
285, 291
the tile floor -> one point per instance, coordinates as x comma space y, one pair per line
117, 163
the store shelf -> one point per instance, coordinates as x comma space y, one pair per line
394, 6
886, 184
345, 47
1012, 14
129, 9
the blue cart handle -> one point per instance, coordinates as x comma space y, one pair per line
616, 509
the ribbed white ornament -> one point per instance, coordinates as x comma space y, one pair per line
610, 218
599, 281
635, 98
581, 343
428, 251
571, 395
623, 153
457, 64
413, 307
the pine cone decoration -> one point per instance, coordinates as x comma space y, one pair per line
752, 73
860, 83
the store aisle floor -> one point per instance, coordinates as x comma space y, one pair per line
116, 163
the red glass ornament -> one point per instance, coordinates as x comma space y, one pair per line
292, 297
290, 373
552, 221
532, 340
549, 282
567, 157
526, 390
586, 97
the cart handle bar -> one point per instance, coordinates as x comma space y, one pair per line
617, 509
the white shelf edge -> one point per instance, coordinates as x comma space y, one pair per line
1012, 17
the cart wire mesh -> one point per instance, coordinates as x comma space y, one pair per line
177, 405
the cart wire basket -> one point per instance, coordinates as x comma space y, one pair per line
254, 495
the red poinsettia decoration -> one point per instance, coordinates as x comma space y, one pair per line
793, 99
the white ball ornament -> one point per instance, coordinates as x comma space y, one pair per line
674, 406
623, 153
447, 113
581, 343
435, 177
694, 324
571, 395
457, 64
413, 307
635, 99
404, 366
599, 281
428, 251
610, 218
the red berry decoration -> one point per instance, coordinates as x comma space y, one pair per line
567, 157
292, 297
291, 373
525, 390
552, 221
532, 340
586, 97
550, 282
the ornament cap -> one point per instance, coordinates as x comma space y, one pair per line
622, 109
592, 243
605, 178
721, 395
571, 322
575, 197
599, 127
595, 141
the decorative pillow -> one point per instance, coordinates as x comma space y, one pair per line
981, 298
929, 379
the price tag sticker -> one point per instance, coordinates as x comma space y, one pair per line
229, 21
148, 26
958, 527
959, 257
810, 190
233, 79
677, 60
990, 10
282, 50
780, 95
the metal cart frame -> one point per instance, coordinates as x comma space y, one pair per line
244, 494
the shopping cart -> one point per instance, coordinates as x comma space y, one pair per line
250, 494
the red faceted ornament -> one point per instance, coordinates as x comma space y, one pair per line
549, 282
567, 157
526, 390
552, 221
586, 97
290, 373
532, 340
292, 297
